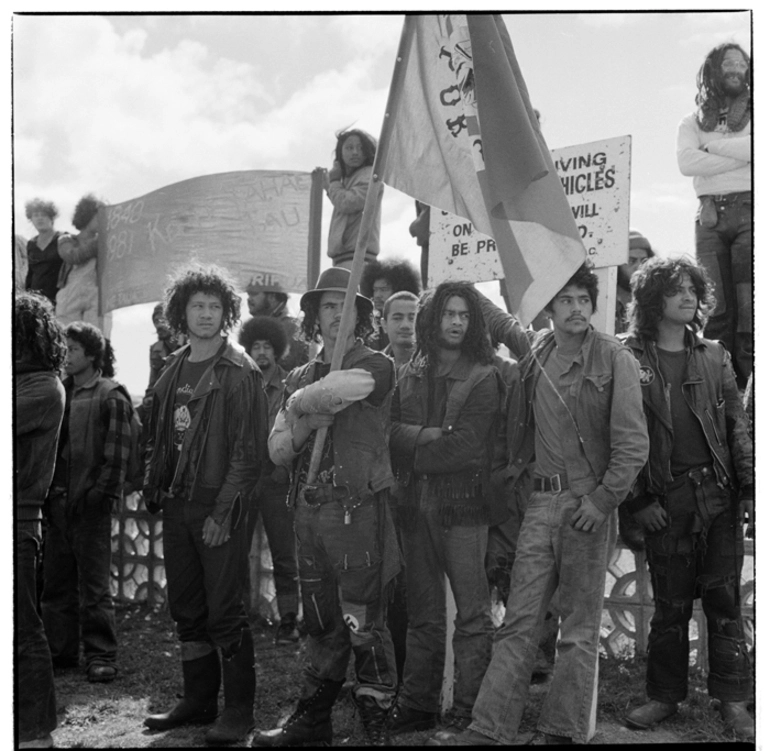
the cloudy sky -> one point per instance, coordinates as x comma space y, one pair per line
123, 105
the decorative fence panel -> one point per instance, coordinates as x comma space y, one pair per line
138, 575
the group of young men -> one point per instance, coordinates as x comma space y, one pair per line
399, 460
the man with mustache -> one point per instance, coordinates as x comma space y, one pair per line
693, 495
714, 148
575, 422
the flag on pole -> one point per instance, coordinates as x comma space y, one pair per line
463, 137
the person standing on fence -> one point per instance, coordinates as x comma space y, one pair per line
577, 412
93, 456
39, 350
207, 444
694, 494
714, 148
265, 340
346, 541
444, 420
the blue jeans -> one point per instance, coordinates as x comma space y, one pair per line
205, 585
77, 601
550, 553
725, 252
340, 571
34, 674
432, 551
698, 554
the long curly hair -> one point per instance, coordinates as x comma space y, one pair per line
209, 279
710, 96
44, 207
37, 335
476, 344
311, 330
368, 145
399, 274
94, 345
264, 328
85, 210
657, 279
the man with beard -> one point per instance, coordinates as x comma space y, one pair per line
575, 420
346, 542
694, 494
714, 147
266, 297
444, 420
265, 341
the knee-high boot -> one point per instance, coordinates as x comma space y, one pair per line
239, 679
199, 703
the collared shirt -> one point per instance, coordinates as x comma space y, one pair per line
558, 443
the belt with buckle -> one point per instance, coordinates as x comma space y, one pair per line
315, 495
728, 197
552, 484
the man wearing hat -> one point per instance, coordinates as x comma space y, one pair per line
639, 250
346, 541
268, 298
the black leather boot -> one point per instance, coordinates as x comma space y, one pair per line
239, 679
199, 703
311, 721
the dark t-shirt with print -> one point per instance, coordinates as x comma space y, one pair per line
187, 380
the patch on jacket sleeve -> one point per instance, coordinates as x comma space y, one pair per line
646, 375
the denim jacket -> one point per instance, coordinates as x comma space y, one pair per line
609, 416
224, 449
360, 433
710, 391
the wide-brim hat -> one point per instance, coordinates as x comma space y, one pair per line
335, 279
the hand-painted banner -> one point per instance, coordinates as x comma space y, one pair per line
596, 178
252, 223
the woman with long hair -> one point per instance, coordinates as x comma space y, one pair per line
347, 184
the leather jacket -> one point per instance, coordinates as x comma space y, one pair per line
225, 448
710, 391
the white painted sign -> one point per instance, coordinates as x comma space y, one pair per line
596, 178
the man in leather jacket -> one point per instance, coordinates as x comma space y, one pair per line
208, 432
693, 494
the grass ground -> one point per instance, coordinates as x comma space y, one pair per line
111, 715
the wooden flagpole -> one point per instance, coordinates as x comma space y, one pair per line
348, 319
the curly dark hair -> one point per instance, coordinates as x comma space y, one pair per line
94, 345
85, 210
476, 344
583, 278
399, 274
37, 335
311, 331
657, 279
368, 145
38, 204
264, 328
710, 95
209, 279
